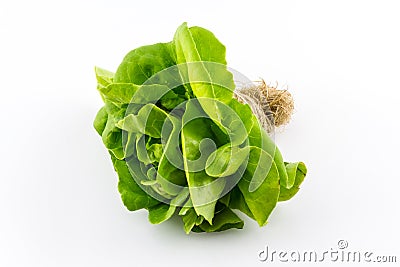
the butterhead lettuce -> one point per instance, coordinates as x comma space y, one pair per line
180, 142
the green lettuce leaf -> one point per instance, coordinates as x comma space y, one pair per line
207, 80
261, 170
133, 197
100, 121
297, 170
162, 212
143, 62
224, 219
204, 190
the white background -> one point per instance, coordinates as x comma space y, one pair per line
58, 195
